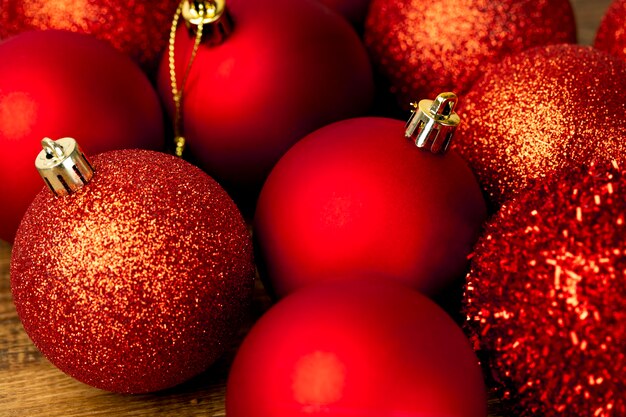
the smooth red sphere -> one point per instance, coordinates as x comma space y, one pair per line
57, 84
284, 71
138, 281
357, 197
358, 349
138, 28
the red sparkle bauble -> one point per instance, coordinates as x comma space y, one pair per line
427, 47
524, 120
356, 196
65, 84
353, 10
283, 72
546, 296
359, 348
137, 28
139, 280
611, 36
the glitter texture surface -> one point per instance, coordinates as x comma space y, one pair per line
138, 281
541, 112
425, 48
138, 28
611, 36
546, 296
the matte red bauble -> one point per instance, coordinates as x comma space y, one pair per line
281, 73
427, 47
523, 119
611, 36
353, 10
137, 28
137, 281
358, 197
358, 348
61, 84
546, 296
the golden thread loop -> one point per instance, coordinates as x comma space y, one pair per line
177, 94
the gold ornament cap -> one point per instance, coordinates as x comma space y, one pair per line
433, 123
205, 11
63, 166
209, 16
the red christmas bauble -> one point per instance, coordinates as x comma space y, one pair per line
611, 36
542, 112
283, 72
359, 348
137, 28
546, 296
427, 47
357, 197
65, 84
139, 280
353, 10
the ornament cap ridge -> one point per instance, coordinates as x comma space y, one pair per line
433, 122
63, 166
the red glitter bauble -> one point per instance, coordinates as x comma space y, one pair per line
611, 36
139, 280
138, 28
283, 72
428, 47
356, 196
542, 112
59, 84
359, 348
546, 296
353, 10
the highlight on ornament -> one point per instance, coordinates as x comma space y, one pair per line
356, 348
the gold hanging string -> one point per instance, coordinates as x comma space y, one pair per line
177, 94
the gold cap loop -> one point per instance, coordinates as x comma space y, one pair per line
433, 123
63, 166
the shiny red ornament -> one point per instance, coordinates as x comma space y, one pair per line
540, 113
357, 197
359, 348
139, 280
353, 10
611, 36
281, 73
65, 84
138, 28
546, 296
427, 47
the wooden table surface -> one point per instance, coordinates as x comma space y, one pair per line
31, 387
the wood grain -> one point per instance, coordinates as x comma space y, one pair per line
31, 387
